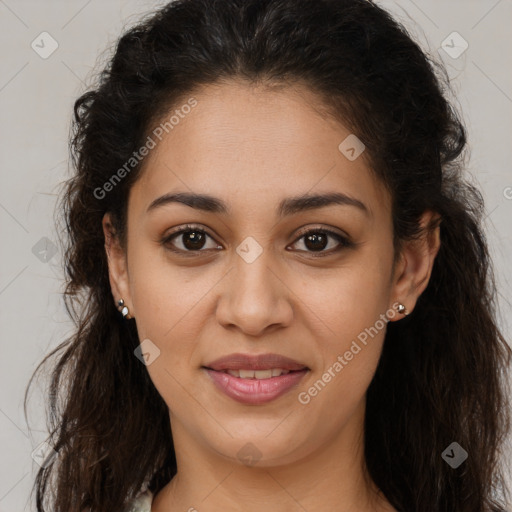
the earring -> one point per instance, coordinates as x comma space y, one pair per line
402, 309
123, 308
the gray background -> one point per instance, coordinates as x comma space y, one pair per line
36, 98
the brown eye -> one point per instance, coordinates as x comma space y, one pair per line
193, 240
188, 239
317, 240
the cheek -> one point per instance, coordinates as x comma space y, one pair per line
350, 334
343, 302
169, 312
349, 357
169, 304
348, 316
164, 294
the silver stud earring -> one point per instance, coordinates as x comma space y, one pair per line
123, 309
402, 309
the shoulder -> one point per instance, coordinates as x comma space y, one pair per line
141, 503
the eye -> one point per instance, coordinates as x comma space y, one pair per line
191, 238
317, 240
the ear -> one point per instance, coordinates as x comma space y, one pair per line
117, 264
413, 270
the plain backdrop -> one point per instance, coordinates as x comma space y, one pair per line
36, 99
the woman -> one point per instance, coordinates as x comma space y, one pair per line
283, 295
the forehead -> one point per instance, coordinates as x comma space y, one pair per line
254, 143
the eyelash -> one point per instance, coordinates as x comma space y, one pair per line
343, 241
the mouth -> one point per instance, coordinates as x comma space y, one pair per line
257, 374
255, 380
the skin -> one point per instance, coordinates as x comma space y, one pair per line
253, 147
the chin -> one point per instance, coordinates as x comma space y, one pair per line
262, 450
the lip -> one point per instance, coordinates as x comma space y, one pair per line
255, 391
254, 362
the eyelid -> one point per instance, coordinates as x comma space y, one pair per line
324, 229
187, 227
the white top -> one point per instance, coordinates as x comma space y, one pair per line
142, 503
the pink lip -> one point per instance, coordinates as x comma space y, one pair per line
255, 391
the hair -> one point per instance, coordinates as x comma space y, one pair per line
439, 378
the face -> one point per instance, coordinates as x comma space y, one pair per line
311, 282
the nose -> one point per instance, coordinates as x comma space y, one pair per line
254, 298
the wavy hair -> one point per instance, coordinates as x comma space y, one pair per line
441, 375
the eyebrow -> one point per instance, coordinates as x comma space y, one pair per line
288, 206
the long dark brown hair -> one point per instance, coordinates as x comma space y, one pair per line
441, 377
